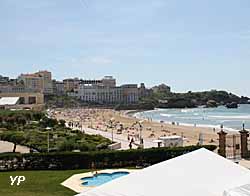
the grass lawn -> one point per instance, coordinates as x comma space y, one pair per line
38, 183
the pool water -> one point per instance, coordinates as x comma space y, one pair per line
102, 178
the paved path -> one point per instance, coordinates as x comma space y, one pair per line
8, 147
119, 138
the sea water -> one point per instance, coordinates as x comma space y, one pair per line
231, 119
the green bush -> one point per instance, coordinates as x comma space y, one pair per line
18, 119
28, 128
101, 159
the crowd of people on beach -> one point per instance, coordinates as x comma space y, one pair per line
129, 127
99, 119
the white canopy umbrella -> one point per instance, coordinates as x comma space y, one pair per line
194, 174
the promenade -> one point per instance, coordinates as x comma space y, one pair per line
119, 138
106, 120
8, 147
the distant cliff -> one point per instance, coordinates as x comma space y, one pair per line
190, 99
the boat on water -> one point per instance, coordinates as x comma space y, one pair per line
232, 105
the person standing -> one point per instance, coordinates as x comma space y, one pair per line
130, 145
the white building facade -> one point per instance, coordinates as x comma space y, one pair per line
101, 94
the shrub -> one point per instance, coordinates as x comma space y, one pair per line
101, 159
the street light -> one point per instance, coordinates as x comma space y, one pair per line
141, 127
48, 129
112, 131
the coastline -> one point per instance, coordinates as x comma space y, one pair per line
137, 115
99, 119
131, 113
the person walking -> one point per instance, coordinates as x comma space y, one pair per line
130, 145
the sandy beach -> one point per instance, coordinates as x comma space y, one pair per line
125, 125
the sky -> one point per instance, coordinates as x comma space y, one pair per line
189, 45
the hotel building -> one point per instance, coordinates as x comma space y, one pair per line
37, 82
72, 84
106, 92
58, 87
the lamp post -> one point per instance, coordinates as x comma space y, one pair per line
112, 131
82, 127
141, 127
140, 133
48, 129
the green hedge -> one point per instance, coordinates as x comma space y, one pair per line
101, 159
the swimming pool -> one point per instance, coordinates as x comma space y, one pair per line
102, 178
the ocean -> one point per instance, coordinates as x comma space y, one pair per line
232, 119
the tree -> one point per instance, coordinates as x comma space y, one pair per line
62, 123
48, 122
21, 120
16, 139
1, 119
38, 116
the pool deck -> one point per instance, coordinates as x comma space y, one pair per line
75, 183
